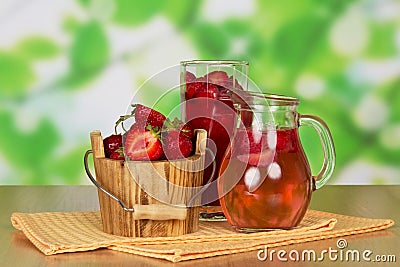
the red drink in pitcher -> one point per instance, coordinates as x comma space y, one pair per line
275, 186
265, 181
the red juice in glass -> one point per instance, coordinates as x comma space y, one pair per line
208, 105
216, 115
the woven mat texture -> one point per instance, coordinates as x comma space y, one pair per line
60, 232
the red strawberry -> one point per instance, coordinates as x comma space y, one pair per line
145, 115
286, 140
231, 83
217, 77
177, 139
209, 91
185, 130
112, 143
136, 126
118, 154
143, 144
190, 77
175, 146
251, 141
193, 87
201, 122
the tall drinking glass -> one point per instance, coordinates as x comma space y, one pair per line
206, 104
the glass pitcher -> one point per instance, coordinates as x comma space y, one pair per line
265, 179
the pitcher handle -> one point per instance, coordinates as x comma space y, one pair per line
327, 144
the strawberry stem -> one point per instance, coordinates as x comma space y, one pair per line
123, 118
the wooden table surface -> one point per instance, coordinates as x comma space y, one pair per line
364, 201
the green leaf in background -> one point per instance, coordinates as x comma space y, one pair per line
382, 156
284, 10
38, 47
393, 100
165, 102
292, 46
90, 52
69, 166
271, 15
348, 140
381, 42
16, 74
168, 104
324, 61
245, 43
312, 147
210, 40
343, 91
188, 12
296, 40
287, 43
27, 149
84, 3
71, 24
130, 13
90, 49
269, 77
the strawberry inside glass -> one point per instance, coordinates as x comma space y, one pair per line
208, 106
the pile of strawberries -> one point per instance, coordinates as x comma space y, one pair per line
151, 137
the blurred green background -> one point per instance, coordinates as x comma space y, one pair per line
68, 67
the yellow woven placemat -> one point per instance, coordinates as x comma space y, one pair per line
59, 232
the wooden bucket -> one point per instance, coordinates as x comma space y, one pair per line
127, 205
